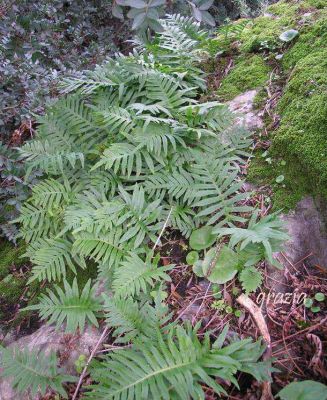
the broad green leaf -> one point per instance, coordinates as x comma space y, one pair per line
220, 267
306, 390
192, 257
202, 238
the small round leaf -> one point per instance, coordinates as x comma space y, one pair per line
202, 238
192, 257
308, 303
280, 178
289, 35
319, 296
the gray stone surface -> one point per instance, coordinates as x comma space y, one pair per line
243, 105
307, 226
68, 348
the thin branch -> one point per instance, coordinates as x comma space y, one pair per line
94, 351
162, 230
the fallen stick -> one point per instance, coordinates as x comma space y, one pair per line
94, 351
256, 313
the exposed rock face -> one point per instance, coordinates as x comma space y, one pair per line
68, 348
307, 226
243, 105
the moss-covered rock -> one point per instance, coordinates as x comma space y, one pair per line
263, 34
313, 38
302, 134
288, 192
249, 72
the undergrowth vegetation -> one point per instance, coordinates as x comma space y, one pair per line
129, 154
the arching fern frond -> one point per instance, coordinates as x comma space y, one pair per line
174, 366
103, 248
32, 372
50, 193
134, 275
68, 306
51, 258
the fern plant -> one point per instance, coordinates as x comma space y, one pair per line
69, 306
174, 367
33, 372
131, 146
128, 151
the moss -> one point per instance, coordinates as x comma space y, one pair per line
319, 4
9, 256
302, 134
260, 99
264, 33
248, 73
265, 30
311, 39
285, 194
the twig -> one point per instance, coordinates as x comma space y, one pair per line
162, 230
310, 328
95, 349
256, 313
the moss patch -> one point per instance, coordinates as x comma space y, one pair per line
287, 193
311, 39
248, 73
302, 134
9, 256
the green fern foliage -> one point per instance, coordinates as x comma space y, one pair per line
32, 372
130, 150
174, 367
135, 275
69, 306
268, 232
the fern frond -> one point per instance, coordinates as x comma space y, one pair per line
36, 222
46, 156
50, 193
32, 372
251, 279
68, 306
172, 367
268, 231
51, 258
217, 191
103, 248
140, 217
135, 275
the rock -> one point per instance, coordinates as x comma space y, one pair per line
68, 348
307, 227
243, 104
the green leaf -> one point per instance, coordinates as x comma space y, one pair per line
251, 279
197, 268
220, 266
174, 367
308, 303
202, 238
280, 178
192, 257
135, 276
306, 390
289, 35
33, 371
68, 306
319, 296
